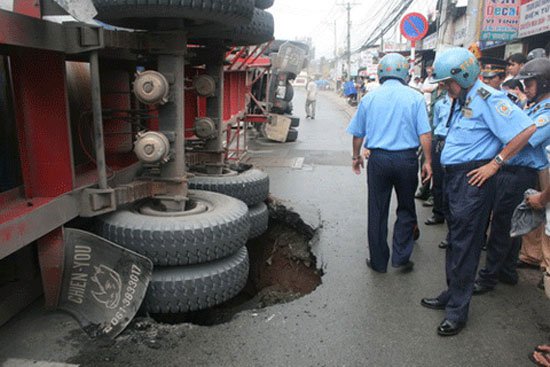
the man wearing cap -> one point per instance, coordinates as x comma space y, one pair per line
493, 71
482, 121
392, 121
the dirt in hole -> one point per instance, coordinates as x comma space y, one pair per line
282, 269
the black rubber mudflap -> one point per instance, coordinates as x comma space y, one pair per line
103, 284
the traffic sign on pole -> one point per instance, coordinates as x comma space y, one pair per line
414, 27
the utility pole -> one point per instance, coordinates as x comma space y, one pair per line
335, 41
348, 6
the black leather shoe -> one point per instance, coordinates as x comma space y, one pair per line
369, 265
449, 328
405, 268
434, 220
433, 303
443, 244
481, 289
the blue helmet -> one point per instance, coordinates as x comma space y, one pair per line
456, 63
393, 66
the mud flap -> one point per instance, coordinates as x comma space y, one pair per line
103, 283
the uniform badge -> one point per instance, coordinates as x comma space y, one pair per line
542, 120
467, 112
504, 108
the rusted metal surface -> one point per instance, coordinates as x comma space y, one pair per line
50, 257
21, 224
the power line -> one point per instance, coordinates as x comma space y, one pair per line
348, 6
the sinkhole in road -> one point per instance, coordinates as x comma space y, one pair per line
282, 269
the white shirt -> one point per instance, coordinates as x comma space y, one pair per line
311, 91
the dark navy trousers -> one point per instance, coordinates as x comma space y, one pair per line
387, 170
468, 212
502, 250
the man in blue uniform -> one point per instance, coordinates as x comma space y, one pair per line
482, 121
440, 115
517, 175
392, 121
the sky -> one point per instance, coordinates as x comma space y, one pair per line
316, 18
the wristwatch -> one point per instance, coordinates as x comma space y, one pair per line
499, 160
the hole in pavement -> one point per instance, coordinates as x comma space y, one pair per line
282, 269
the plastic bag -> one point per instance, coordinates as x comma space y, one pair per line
525, 218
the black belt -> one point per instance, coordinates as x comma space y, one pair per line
468, 166
411, 150
519, 169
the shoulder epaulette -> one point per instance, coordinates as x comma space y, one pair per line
538, 107
484, 93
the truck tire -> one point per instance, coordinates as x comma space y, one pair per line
289, 94
263, 4
294, 121
251, 186
151, 14
196, 287
259, 219
258, 30
181, 240
280, 106
292, 135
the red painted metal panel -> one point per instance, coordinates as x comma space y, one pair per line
41, 113
27, 7
41, 110
50, 257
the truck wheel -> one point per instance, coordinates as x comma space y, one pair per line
251, 186
289, 94
258, 30
151, 14
263, 4
294, 121
196, 287
215, 226
279, 106
292, 135
259, 219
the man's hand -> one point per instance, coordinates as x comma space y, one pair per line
357, 164
479, 175
426, 172
535, 201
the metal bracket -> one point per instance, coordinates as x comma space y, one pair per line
100, 201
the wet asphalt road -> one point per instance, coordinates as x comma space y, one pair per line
356, 317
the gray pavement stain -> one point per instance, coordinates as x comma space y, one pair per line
355, 318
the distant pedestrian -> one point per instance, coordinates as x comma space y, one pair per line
311, 99
391, 121
485, 130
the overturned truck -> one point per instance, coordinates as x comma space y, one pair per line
133, 134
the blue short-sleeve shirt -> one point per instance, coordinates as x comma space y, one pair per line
442, 109
391, 117
533, 154
478, 130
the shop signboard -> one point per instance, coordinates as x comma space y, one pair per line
534, 17
430, 42
500, 20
